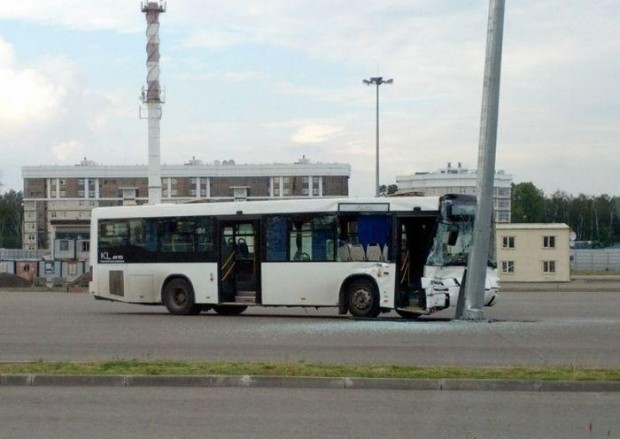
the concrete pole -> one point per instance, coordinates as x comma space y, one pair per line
478, 259
377, 183
377, 80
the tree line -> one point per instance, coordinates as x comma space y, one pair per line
594, 219
11, 219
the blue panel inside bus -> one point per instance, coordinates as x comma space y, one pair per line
373, 229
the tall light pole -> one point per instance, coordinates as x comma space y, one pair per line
471, 308
377, 80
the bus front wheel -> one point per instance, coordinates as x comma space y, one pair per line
178, 296
362, 299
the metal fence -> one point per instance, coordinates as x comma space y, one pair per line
16, 254
595, 260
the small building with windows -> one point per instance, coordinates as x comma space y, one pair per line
533, 252
458, 180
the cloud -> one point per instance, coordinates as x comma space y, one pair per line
28, 95
75, 14
316, 133
67, 152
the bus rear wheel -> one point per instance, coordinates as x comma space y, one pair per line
229, 310
178, 296
362, 299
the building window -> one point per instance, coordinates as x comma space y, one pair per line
503, 204
81, 181
63, 245
503, 216
549, 241
502, 192
85, 246
80, 193
192, 192
548, 267
508, 242
508, 267
240, 193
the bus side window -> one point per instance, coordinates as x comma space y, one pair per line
276, 239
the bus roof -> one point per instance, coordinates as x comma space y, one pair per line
370, 205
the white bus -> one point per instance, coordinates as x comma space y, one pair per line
363, 256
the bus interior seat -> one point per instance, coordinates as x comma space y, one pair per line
244, 252
358, 253
373, 252
344, 252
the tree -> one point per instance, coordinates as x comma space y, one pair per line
387, 190
11, 217
528, 203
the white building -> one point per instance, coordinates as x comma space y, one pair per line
533, 252
58, 199
459, 180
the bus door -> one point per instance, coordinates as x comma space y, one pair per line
415, 237
239, 262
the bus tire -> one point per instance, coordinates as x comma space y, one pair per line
178, 296
363, 299
229, 310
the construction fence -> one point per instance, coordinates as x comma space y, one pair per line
600, 260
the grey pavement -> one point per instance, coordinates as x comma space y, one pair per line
524, 329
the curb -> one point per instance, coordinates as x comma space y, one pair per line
306, 382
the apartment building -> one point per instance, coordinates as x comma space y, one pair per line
533, 252
58, 199
459, 180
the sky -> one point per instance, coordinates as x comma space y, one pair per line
270, 81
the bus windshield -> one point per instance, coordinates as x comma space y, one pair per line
454, 237
452, 243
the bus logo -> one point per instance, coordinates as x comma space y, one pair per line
107, 257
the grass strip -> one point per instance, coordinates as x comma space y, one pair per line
303, 369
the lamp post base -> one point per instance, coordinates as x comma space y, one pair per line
473, 314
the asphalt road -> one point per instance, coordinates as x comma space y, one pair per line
302, 413
524, 328
550, 328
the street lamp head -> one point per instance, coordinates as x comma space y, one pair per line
378, 80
